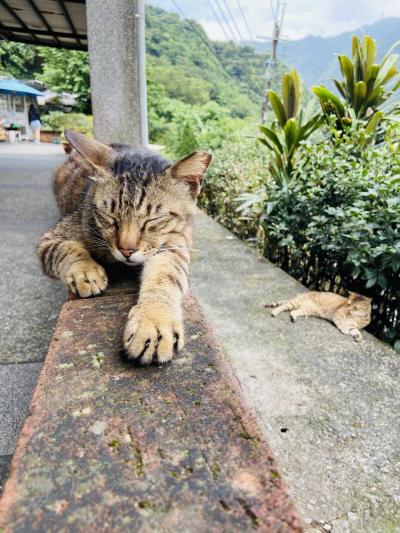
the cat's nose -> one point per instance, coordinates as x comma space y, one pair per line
127, 252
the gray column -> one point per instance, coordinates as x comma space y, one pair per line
117, 70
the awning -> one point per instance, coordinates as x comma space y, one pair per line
56, 23
13, 86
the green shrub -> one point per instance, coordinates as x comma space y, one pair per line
189, 128
336, 226
59, 121
233, 192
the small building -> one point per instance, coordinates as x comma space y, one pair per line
15, 98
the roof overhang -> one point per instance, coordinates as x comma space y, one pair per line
56, 23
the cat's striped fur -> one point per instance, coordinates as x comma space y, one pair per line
129, 205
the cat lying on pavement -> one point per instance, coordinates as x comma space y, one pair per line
348, 314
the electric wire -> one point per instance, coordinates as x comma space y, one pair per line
232, 19
175, 4
218, 20
245, 20
225, 20
182, 13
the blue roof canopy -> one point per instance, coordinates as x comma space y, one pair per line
13, 86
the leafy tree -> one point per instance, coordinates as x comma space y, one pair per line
66, 70
18, 60
179, 85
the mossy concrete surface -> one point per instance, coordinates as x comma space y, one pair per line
112, 447
329, 406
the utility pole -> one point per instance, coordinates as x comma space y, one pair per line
278, 13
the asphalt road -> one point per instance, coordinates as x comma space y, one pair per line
29, 302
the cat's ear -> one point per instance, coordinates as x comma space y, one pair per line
192, 169
97, 154
353, 296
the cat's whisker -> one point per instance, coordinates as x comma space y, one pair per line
184, 248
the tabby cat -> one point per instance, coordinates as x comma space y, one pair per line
348, 314
130, 205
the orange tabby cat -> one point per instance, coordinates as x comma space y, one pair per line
348, 314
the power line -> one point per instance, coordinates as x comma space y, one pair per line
194, 28
225, 20
273, 9
218, 19
175, 4
232, 19
245, 20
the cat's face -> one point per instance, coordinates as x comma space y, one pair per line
359, 305
141, 203
135, 223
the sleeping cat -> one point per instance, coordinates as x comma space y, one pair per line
128, 205
348, 314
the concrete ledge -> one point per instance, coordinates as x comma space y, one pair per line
109, 447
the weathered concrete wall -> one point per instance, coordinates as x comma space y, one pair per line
116, 72
110, 447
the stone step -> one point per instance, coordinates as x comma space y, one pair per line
112, 447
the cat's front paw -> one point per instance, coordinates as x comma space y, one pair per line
86, 279
356, 334
153, 333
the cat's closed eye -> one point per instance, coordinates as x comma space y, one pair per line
145, 226
105, 217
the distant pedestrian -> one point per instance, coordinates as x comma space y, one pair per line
34, 123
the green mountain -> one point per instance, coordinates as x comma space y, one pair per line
191, 68
315, 57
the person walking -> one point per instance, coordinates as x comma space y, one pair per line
34, 123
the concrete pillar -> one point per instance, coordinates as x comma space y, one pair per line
117, 70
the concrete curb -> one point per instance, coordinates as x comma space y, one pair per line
110, 447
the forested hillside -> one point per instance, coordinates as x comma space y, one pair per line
193, 69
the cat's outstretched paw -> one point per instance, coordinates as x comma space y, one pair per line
153, 334
86, 279
356, 334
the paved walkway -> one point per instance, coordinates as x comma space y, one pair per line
329, 406
29, 302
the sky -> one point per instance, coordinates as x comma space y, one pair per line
302, 17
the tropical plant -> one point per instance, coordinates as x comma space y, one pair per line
288, 130
365, 86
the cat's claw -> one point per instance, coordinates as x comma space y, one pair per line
87, 279
152, 335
